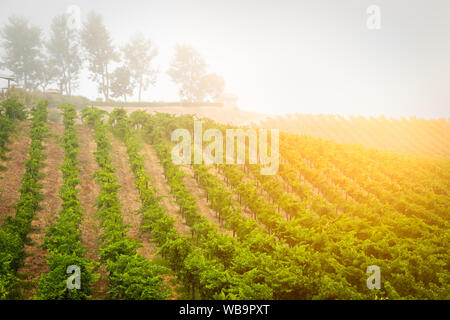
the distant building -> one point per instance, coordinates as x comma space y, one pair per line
53, 91
8, 78
229, 100
4, 91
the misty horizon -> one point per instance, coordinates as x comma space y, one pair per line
289, 57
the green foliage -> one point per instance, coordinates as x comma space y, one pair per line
63, 238
53, 285
317, 227
13, 109
91, 115
210, 265
130, 275
133, 277
13, 232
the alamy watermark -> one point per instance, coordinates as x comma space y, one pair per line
73, 13
374, 281
374, 17
213, 153
74, 281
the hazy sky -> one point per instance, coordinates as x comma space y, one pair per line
293, 56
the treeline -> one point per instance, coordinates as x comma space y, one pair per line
14, 230
58, 59
154, 104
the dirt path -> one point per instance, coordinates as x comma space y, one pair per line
235, 196
36, 263
156, 172
89, 191
200, 196
129, 196
11, 178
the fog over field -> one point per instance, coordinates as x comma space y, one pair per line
225, 155
286, 56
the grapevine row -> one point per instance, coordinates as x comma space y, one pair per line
63, 238
130, 275
14, 230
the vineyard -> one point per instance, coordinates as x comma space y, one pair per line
99, 193
413, 136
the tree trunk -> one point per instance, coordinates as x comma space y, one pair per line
69, 82
64, 80
140, 89
107, 82
103, 85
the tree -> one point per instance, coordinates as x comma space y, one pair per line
187, 69
138, 56
64, 51
121, 83
22, 46
46, 72
100, 51
212, 85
